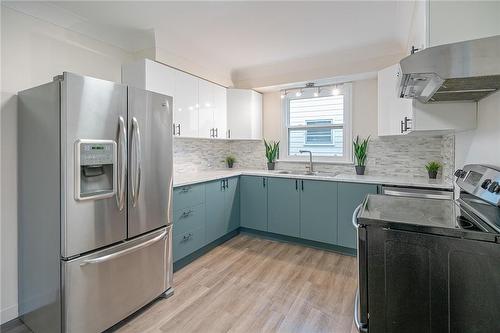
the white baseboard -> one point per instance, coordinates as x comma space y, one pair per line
8, 313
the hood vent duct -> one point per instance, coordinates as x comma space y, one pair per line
465, 71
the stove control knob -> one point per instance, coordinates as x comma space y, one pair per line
493, 187
486, 183
460, 173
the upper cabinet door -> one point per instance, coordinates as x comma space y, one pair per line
186, 104
244, 114
391, 108
160, 78
457, 21
220, 111
206, 109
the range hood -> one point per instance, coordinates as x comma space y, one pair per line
464, 71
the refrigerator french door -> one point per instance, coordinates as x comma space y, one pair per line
100, 154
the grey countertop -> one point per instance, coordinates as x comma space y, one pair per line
209, 175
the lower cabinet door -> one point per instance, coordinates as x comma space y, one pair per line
318, 211
103, 288
216, 222
232, 204
350, 196
253, 202
283, 206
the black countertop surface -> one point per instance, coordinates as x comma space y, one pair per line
434, 216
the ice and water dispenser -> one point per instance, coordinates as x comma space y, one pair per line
95, 169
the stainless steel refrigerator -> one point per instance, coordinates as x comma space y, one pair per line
95, 203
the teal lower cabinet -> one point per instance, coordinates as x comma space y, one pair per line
188, 242
232, 204
214, 194
318, 211
350, 195
253, 191
222, 205
283, 198
189, 220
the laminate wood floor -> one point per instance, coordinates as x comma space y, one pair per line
251, 284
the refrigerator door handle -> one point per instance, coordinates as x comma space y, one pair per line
122, 163
136, 145
125, 251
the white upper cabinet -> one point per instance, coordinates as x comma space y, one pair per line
244, 114
149, 75
212, 110
399, 116
201, 108
206, 109
220, 111
456, 21
437, 22
186, 104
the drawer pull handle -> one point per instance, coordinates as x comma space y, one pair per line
187, 237
125, 251
185, 189
187, 213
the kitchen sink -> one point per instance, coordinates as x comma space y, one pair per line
307, 173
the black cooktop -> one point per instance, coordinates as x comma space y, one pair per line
443, 217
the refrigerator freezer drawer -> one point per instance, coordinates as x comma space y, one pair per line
105, 287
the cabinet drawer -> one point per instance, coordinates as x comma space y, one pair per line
187, 196
187, 243
189, 219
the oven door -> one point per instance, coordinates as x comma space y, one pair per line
103, 288
361, 301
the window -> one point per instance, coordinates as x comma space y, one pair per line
319, 136
320, 124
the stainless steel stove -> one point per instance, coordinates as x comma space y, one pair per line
428, 265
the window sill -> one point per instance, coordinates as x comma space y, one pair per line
315, 161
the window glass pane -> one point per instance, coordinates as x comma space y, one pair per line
319, 135
330, 108
315, 140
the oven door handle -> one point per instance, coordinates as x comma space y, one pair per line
355, 216
361, 327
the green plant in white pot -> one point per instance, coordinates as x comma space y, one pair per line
272, 152
360, 153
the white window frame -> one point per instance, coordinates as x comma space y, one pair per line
347, 158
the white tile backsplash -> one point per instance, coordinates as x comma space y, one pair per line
397, 156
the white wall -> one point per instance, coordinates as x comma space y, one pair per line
481, 145
364, 110
34, 51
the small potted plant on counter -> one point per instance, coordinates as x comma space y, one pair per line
272, 151
433, 168
230, 159
360, 153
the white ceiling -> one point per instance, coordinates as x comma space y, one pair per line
241, 34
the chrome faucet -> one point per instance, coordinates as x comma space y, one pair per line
311, 167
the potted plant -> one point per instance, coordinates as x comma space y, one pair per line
272, 151
360, 154
230, 159
433, 168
